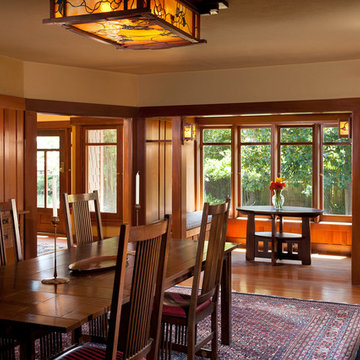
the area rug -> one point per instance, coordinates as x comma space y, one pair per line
266, 327
44, 248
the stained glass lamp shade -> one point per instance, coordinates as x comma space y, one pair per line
133, 24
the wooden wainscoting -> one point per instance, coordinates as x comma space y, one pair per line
326, 237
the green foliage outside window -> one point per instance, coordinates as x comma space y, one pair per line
295, 163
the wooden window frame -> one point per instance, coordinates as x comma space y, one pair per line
329, 217
81, 168
201, 172
239, 128
276, 126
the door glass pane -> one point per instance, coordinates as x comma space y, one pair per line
40, 179
53, 166
48, 142
255, 135
255, 174
296, 168
331, 135
101, 136
102, 175
337, 179
217, 173
296, 135
217, 135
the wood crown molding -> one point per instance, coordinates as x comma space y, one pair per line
12, 102
80, 109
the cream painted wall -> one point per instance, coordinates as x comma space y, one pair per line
65, 83
274, 83
11, 77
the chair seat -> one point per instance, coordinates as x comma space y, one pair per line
88, 352
177, 305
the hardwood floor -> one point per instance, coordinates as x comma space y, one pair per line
328, 278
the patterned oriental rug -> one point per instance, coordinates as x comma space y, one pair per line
266, 327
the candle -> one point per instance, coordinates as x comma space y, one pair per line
54, 191
137, 188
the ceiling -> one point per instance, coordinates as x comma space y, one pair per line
249, 33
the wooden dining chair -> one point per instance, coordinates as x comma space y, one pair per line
9, 238
80, 204
134, 332
182, 312
9, 231
50, 342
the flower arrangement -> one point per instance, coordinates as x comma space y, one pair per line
277, 186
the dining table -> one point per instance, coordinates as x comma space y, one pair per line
28, 306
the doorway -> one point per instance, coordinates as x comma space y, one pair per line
52, 167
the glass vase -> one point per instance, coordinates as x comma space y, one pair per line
278, 199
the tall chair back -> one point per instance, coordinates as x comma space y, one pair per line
80, 204
183, 312
9, 231
214, 249
146, 297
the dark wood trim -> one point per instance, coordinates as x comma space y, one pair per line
126, 176
91, 121
276, 107
178, 184
12, 102
355, 254
30, 185
268, 120
139, 165
79, 108
53, 125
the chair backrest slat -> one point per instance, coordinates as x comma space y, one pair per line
80, 204
214, 249
144, 311
9, 231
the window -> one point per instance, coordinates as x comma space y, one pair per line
337, 173
48, 168
296, 164
102, 167
255, 165
216, 169
315, 162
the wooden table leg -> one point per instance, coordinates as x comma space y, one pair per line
250, 237
273, 240
305, 246
226, 304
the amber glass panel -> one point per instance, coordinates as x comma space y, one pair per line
86, 7
133, 33
175, 13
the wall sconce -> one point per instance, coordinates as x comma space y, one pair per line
345, 128
189, 132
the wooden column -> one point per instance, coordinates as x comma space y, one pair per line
178, 182
355, 253
30, 185
127, 180
139, 164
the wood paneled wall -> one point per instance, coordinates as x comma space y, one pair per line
17, 163
158, 168
325, 236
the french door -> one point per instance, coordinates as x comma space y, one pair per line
51, 178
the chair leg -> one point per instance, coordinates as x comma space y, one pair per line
214, 329
191, 342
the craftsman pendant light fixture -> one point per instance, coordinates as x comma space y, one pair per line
130, 24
